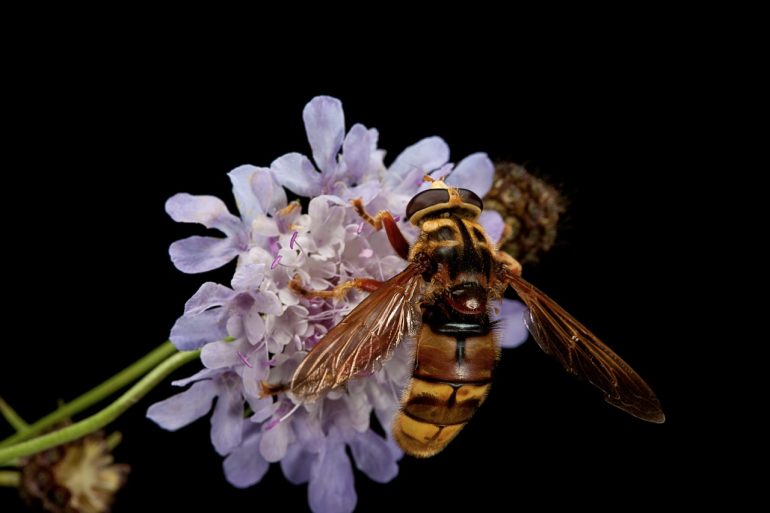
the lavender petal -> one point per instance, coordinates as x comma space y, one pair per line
244, 467
356, 152
513, 331
227, 420
207, 296
248, 276
325, 128
493, 224
296, 173
249, 204
425, 155
200, 254
181, 409
254, 325
193, 331
474, 172
209, 211
331, 488
198, 376
218, 355
296, 464
373, 457
274, 442
268, 303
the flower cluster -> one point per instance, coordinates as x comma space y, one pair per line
258, 330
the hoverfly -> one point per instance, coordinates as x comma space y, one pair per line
441, 298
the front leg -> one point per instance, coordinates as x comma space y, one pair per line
383, 218
365, 284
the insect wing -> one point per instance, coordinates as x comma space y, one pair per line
583, 354
364, 339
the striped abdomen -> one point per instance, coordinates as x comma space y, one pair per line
453, 373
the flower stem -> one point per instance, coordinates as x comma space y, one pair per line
106, 389
10, 478
13, 418
114, 440
103, 417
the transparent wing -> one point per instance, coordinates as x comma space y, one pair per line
364, 339
583, 354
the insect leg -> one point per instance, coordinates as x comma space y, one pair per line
508, 264
507, 268
266, 389
365, 284
383, 218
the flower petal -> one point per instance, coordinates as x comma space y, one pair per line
331, 488
373, 457
425, 155
254, 325
249, 204
208, 295
248, 277
296, 464
193, 331
274, 442
265, 226
268, 302
209, 211
198, 376
356, 152
200, 254
227, 420
181, 409
493, 224
330, 231
296, 173
367, 191
513, 331
474, 172
244, 466
217, 355
325, 128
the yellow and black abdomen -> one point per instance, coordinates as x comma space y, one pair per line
452, 376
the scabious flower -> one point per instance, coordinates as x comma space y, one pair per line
259, 329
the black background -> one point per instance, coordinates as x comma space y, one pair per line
97, 147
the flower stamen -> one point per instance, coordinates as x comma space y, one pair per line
244, 360
293, 242
275, 262
270, 425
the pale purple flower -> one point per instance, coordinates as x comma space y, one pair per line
181, 409
259, 198
353, 173
259, 330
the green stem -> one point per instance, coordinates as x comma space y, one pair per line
106, 389
10, 478
13, 418
103, 417
114, 440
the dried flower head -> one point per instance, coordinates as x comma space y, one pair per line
530, 208
78, 477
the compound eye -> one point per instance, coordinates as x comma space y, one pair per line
425, 199
471, 197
